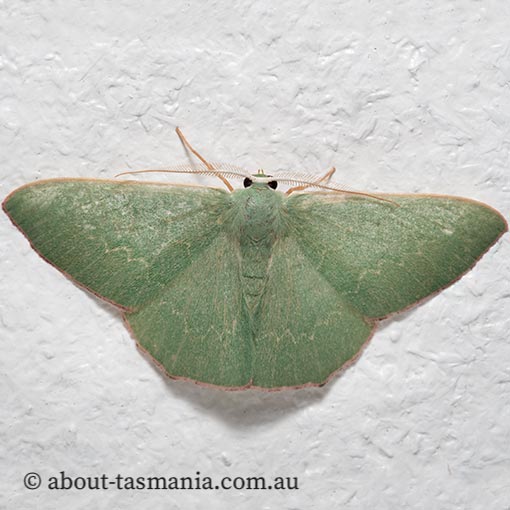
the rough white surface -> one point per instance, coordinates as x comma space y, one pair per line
407, 96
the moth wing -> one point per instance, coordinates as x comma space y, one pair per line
305, 330
348, 261
383, 257
197, 328
122, 240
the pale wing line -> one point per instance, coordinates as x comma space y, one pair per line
413, 228
183, 215
346, 305
125, 309
313, 343
189, 306
168, 248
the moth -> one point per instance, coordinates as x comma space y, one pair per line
252, 287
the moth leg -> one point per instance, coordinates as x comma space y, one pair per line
325, 178
203, 160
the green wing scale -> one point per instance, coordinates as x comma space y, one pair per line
305, 330
197, 327
122, 241
382, 257
251, 288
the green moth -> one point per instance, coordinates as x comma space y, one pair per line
252, 288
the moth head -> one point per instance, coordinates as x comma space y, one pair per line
260, 178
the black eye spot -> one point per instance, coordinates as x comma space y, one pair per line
247, 182
272, 184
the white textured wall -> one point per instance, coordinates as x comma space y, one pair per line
406, 96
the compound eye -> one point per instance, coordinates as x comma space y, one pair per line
247, 182
272, 184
